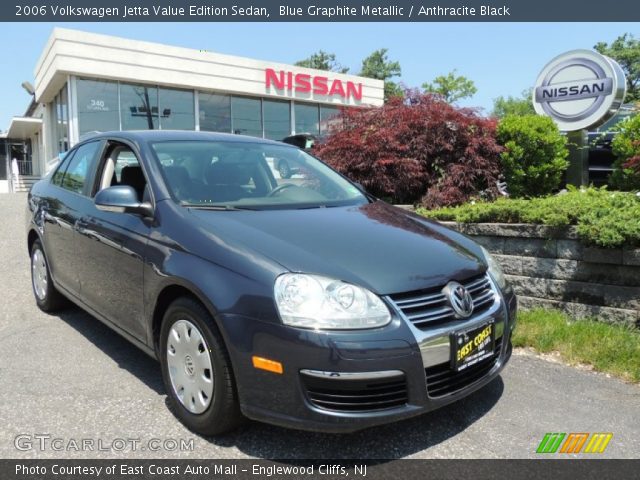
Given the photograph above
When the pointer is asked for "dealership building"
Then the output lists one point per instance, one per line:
(86, 82)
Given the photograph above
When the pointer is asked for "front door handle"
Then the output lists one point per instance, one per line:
(81, 225)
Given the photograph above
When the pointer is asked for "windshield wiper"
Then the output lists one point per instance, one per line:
(322, 205)
(216, 207)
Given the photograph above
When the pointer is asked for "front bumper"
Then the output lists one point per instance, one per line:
(391, 366)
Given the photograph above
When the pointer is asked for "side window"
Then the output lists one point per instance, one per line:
(59, 173)
(80, 167)
(121, 167)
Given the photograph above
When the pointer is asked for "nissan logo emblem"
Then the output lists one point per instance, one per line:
(459, 298)
(579, 89)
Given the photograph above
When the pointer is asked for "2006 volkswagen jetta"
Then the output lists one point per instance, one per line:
(302, 302)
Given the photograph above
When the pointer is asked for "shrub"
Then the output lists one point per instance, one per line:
(415, 148)
(626, 147)
(603, 218)
(534, 156)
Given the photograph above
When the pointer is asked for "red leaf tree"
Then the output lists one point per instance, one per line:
(416, 148)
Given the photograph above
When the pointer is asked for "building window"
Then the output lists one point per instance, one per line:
(328, 118)
(277, 119)
(139, 107)
(61, 120)
(307, 118)
(97, 106)
(214, 112)
(177, 111)
(246, 116)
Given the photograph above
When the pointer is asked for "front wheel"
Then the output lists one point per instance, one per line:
(196, 370)
(47, 296)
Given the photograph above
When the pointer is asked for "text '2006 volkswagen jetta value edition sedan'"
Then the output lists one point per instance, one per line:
(302, 302)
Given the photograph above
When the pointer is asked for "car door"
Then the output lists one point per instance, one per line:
(112, 246)
(62, 208)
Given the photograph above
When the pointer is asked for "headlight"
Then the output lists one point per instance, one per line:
(312, 301)
(495, 269)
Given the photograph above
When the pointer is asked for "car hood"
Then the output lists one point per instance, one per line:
(376, 245)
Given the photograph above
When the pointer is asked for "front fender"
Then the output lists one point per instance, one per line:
(221, 290)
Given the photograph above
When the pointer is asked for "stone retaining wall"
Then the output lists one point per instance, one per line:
(548, 267)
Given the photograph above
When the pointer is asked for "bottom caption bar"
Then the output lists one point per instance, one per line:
(122, 469)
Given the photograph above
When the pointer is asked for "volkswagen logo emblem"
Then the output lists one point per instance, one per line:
(459, 298)
(189, 365)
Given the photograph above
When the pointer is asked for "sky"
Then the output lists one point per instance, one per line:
(501, 58)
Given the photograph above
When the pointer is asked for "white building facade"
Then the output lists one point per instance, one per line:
(86, 82)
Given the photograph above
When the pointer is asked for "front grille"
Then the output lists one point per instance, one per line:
(443, 380)
(356, 395)
(426, 308)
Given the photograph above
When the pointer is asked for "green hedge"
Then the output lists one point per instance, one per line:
(534, 156)
(603, 218)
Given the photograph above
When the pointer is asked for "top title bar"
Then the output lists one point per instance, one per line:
(320, 11)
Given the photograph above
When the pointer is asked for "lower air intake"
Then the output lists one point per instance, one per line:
(357, 395)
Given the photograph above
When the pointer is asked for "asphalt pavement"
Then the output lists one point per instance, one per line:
(71, 387)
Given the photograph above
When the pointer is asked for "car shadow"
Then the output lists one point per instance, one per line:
(124, 353)
(384, 443)
(387, 442)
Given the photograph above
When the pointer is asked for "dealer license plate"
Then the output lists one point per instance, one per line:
(472, 346)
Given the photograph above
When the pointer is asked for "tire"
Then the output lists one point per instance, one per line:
(190, 343)
(284, 169)
(48, 298)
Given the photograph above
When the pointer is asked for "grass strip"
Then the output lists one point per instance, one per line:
(608, 348)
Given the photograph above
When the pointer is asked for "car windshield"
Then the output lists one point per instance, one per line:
(248, 175)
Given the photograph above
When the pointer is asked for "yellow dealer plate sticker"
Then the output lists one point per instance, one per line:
(472, 346)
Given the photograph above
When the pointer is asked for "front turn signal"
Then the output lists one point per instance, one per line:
(268, 365)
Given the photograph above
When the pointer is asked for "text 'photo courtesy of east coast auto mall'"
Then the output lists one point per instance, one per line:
(331, 240)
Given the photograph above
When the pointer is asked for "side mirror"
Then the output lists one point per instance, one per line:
(122, 199)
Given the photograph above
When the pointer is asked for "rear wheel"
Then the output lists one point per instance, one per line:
(47, 296)
(196, 369)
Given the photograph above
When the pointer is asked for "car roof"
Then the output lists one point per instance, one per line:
(180, 135)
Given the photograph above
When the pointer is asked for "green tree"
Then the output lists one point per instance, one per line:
(522, 105)
(451, 87)
(626, 148)
(378, 66)
(626, 51)
(534, 155)
(322, 60)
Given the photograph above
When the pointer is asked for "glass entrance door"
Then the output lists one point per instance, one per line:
(20, 151)
(3, 159)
